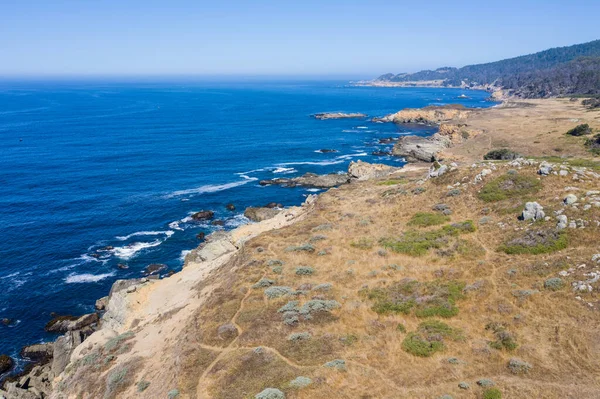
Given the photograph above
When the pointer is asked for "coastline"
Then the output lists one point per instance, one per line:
(153, 306)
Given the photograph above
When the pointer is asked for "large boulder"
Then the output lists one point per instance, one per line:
(38, 352)
(6, 363)
(203, 215)
(414, 148)
(61, 324)
(533, 211)
(364, 171)
(258, 214)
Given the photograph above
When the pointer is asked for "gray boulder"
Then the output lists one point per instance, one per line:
(415, 148)
(562, 222)
(570, 199)
(533, 211)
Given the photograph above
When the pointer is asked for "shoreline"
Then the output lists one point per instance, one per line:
(142, 305)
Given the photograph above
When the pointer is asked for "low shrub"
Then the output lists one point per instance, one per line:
(536, 242)
(277, 291)
(300, 382)
(426, 219)
(338, 364)
(400, 327)
(114, 343)
(263, 283)
(485, 383)
(436, 298)
(301, 336)
(429, 338)
(518, 366)
(593, 144)
(504, 339)
(300, 248)
(501, 154)
(142, 385)
(580, 130)
(304, 271)
(492, 393)
(362, 243)
(173, 393)
(270, 393)
(455, 192)
(509, 186)
(554, 284)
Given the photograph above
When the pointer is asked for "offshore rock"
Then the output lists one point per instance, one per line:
(309, 180)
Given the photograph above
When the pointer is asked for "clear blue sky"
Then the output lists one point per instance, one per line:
(283, 37)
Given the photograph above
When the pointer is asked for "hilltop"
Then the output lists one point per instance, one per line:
(561, 71)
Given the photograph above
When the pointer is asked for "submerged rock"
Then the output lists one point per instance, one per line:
(230, 207)
(203, 215)
(154, 268)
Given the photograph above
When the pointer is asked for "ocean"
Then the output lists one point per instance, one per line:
(97, 174)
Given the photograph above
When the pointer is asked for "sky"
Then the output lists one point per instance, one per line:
(361, 39)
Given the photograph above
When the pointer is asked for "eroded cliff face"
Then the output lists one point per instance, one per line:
(433, 115)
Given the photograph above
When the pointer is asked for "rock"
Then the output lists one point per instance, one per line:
(101, 303)
(563, 172)
(338, 115)
(259, 214)
(6, 321)
(273, 205)
(203, 215)
(380, 153)
(431, 115)
(6, 363)
(570, 199)
(437, 170)
(545, 169)
(309, 180)
(201, 235)
(63, 324)
(154, 268)
(38, 352)
(562, 222)
(122, 266)
(326, 151)
(415, 148)
(14, 392)
(364, 171)
(216, 245)
(230, 207)
(533, 211)
(388, 140)
(217, 223)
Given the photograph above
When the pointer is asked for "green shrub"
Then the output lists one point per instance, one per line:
(113, 343)
(173, 393)
(418, 243)
(501, 154)
(418, 190)
(339, 364)
(301, 336)
(593, 144)
(536, 242)
(554, 284)
(277, 291)
(580, 130)
(518, 366)
(426, 219)
(436, 298)
(300, 248)
(509, 186)
(400, 327)
(142, 385)
(300, 382)
(428, 339)
(392, 182)
(485, 383)
(504, 339)
(304, 271)
(263, 283)
(492, 393)
(270, 393)
(362, 243)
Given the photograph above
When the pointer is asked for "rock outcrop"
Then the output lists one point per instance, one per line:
(432, 115)
(414, 148)
(63, 324)
(338, 115)
(310, 180)
(364, 171)
(258, 214)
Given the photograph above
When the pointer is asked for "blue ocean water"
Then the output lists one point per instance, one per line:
(86, 165)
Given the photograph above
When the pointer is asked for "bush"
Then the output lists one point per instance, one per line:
(318, 237)
(142, 385)
(501, 154)
(580, 130)
(304, 271)
(270, 393)
(400, 327)
(113, 343)
(428, 339)
(323, 287)
(554, 284)
(300, 382)
(418, 190)
(509, 186)
(362, 243)
(437, 298)
(426, 219)
(277, 291)
(301, 336)
(336, 364)
(263, 283)
(593, 144)
(485, 383)
(173, 393)
(301, 248)
(536, 242)
(518, 366)
(504, 339)
(418, 243)
(455, 192)
(492, 393)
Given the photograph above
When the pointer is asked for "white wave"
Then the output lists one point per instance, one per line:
(168, 233)
(213, 188)
(348, 156)
(284, 170)
(236, 221)
(15, 274)
(361, 127)
(351, 131)
(128, 251)
(184, 254)
(313, 190)
(175, 225)
(321, 163)
(87, 278)
(250, 171)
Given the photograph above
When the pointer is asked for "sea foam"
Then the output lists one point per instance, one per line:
(87, 278)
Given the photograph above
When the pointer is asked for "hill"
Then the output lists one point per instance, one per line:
(561, 71)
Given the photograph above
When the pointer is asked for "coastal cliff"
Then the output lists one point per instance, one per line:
(446, 279)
